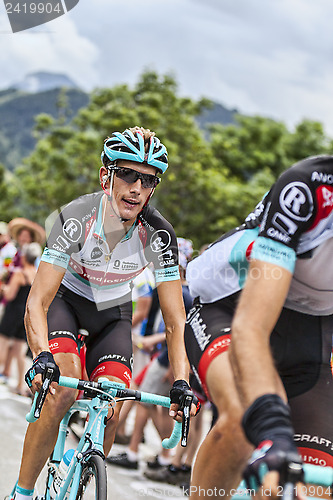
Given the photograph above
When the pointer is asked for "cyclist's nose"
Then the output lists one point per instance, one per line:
(136, 186)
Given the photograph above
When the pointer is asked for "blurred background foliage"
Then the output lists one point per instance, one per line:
(216, 174)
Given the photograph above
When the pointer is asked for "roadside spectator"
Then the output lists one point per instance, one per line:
(24, 231)
(16, 293)
(157, 379)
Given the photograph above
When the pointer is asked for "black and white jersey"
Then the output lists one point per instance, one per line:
(78, 244)
(292, 227)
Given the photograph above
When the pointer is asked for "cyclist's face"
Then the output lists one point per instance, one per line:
(129, 198)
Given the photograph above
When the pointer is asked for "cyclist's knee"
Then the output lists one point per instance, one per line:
(61, 401)
(228, 429)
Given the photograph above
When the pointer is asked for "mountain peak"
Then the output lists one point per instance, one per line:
(42, 81)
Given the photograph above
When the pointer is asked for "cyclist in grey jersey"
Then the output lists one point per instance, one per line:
(279, 328)
(96, 247)
(77, 243)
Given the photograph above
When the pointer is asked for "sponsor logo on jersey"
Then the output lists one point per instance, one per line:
(62, 242)
(96, 253)
(199, 330)
(57, 247)
(322, 177)
(160, 240)
(129, 266)
(276, 235)
(324, 196)
(284, 224)
(91, 263)
(166, 259)
(89, 216)
(169, 262)
(165, 255)
(89, 224)
(327, 194)
(296, 201)
(72, 229)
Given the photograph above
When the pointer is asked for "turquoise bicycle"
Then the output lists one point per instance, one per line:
(81, 473)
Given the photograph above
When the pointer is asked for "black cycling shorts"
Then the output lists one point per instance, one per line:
(302, 349)
(109, 343)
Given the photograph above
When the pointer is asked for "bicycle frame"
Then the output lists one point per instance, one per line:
(92, 439)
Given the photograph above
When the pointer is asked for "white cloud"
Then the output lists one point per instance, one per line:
(267, 57)
(54, 47)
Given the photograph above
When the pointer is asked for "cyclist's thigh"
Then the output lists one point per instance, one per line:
(297, 349)
(62, 327)
(207, 335)
(110, 353)
(312, 410)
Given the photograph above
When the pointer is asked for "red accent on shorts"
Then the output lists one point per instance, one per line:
(324, 195)
(113, 369)
(217, 347)
(63, 345)
(316, 457)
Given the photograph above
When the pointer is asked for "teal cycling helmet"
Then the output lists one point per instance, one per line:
(132, 145)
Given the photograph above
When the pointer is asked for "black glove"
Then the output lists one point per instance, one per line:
(275, 455)
(178, 393)
(39, 366)
(267, 425)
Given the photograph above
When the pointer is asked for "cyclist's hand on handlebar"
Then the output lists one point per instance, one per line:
(180, 395)
(36, 374)
(274, 464)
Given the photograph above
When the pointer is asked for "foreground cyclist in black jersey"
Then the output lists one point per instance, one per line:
(280, 331)
(97, 245)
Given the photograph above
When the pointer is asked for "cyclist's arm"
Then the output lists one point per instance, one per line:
(173, 311)
(43, 290)
(258, 310)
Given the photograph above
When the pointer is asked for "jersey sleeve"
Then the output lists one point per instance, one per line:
(161, 248)
(66, 234)
(289, 212)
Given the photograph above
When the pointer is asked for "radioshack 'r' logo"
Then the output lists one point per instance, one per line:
(72, 229)
(25, 14)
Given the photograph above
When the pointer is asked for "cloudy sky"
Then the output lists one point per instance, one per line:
(267, 57)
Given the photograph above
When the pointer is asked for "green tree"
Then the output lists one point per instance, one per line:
(65, 161)
(213, 182)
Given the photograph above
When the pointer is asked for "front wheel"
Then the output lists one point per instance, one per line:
(93, 481)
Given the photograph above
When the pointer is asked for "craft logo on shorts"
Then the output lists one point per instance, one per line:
(26, 14)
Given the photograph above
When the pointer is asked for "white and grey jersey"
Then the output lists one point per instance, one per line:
(78, 244)
(293, 227)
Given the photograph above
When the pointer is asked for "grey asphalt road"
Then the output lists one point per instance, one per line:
(123, 484)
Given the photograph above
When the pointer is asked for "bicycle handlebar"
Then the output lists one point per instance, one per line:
(104, 389)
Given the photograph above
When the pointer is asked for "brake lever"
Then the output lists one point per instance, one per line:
(186, 407)
(293, 474)
(44, 390)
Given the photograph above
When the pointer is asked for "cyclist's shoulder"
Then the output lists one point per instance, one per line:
(151, 217)
(84, 202)
(311, 171)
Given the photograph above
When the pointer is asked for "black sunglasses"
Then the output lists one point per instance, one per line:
(130, 176)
